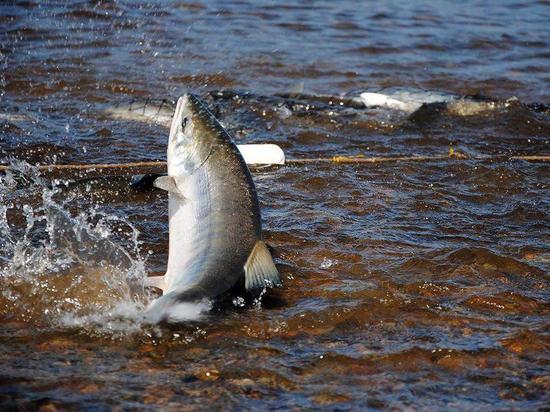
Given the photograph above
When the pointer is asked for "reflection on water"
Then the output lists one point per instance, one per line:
(406, 285)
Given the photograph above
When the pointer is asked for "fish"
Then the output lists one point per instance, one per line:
(154, 111)
(403, 99)
(215, 231)
(412, 101)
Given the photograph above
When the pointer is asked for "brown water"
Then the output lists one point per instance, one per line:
(407, 285)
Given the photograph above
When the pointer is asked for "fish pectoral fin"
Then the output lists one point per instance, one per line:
(169, 184)
(155, 281)
(259, 269)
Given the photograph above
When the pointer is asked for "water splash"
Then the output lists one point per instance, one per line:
(61, 267)
(178, 312)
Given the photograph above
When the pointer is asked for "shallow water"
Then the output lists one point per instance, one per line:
(418, 285)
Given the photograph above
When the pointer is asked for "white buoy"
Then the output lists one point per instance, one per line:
(262, 154)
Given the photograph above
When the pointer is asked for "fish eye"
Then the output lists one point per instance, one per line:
(184, 122)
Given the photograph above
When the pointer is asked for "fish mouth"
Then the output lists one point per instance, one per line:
(175, 126)
(186, 109)
(181, 137)
(190, 140)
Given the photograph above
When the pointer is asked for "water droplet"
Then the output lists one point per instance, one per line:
(327, 263)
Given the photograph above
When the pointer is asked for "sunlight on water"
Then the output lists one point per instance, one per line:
(408, 284)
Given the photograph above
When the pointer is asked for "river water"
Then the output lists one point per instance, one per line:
(407, 284)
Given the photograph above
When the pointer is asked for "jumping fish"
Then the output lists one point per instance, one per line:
(215, 231)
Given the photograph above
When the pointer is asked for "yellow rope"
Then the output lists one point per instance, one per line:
(161, 166)
(382, 159)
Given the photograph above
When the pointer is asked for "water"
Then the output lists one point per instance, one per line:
(416, 285)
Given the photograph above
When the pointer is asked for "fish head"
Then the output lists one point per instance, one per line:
(191, 136)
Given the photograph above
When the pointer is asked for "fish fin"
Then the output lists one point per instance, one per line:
(156, 281)
(145, 181)
(169, 184)
(259, 269)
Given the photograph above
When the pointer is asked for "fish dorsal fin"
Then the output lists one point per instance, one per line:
(259, 269)
(169, 184)
(156, 281)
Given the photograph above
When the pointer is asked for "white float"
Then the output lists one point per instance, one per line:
(262, 154)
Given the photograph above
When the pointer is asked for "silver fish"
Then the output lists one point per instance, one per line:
(215, 231)
(410, 101)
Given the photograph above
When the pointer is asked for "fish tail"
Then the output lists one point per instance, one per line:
(159, 309)
(171, 308)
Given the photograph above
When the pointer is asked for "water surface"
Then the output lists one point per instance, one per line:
(418, 285)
